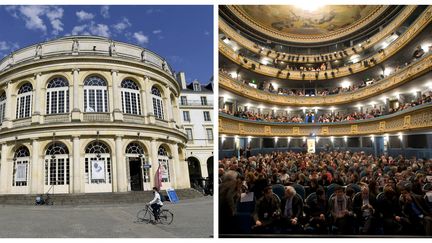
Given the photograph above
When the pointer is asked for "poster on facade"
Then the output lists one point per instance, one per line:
(21, 172)
(164, 170)
(98, 169)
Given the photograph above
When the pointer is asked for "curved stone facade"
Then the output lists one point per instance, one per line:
(87, 114)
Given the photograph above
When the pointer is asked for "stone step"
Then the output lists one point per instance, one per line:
(95, 198)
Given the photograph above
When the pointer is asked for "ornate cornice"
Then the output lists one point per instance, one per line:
(408, 73)
(234, 35)
(416, 118)
(415, 29)
(239, 13)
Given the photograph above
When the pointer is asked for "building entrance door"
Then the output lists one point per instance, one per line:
(136, 177)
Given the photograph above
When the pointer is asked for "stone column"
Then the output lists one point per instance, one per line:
(76, 111)
(7, 123)
(77, 173)
(36, 169)
(144, 103)
(117, 113)
(175, 171)
(5, 170)
(153, 161)
(121, 165)
(149, 103)
(36, 116)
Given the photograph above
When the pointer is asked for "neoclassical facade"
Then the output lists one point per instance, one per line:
(86, 114)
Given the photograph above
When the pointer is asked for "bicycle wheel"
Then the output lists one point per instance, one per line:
(144, 215)
(166, 217)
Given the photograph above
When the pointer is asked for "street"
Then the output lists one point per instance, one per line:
(192, 218)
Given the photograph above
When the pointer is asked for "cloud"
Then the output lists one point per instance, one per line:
(156, 32)
(122, 25)
(175, 59)
(8, 46)
(206, 33)
(33, 17)
(83, 15)
(141, 38)
(92, 29)
(105, 12)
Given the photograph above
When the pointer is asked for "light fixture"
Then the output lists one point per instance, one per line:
(276, 139)
(249, 139)
(345, 84)
(332, 139)
(400, 135)
(372, 137)
(53, 144)
(222, 138)
(345, 138)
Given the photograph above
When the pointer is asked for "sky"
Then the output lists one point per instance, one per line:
(181, 34)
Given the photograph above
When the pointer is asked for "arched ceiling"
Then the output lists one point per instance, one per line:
(307, 23)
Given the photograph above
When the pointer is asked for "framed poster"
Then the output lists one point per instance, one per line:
(21, 172)
(98, 170)
(311, 145)
(164, 173)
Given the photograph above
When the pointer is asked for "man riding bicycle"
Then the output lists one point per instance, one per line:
(156, 203)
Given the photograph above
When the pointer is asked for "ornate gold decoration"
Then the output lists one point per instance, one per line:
(234, 35)
(245, 18)
(241, 128)
(382, 126)
(417, 118)
(420, 23)
(404, 75)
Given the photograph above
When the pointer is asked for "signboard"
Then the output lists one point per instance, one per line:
(98, 169)
(172, 195)
(21, 172)
(311, 145)
(164, 174)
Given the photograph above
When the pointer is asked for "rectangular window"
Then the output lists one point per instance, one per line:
(128, 102)
(203, 100)
(209, 134)
(183, 100)
(53, 102)
(186, 116)
(99, 100)
(207, 116)
(189, 134)
(61, 101)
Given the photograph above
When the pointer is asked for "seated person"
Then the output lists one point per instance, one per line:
(364, 205)
(318, 210)
(340, 207)
(267, 211)
(389, 208)
(292, 210)
(415, 208)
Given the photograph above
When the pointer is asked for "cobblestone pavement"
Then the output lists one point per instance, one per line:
(192, 218)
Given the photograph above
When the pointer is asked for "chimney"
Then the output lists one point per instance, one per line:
(181, 78)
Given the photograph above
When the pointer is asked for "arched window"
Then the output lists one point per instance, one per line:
(97, 163)
(21, 162)
(24, 101)
(163, 164)
(57, 164)
(157, 103)
(2, 106)
(130, 96)
(134, 148)
(57, 96)
(95, 94)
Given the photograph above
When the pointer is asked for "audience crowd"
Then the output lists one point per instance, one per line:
(330, 192)
(311, 117)
(268, 86)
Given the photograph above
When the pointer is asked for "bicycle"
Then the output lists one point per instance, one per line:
(145, 215)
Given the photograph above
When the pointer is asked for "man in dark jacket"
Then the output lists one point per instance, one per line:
(389, 208)
(364, 207)
(291, 211)
(415, 208)
(267, 211)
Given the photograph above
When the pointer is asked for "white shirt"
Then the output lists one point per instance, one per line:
(156, 199)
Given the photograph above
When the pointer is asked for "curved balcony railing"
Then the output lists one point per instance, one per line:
(419, 117)
(415, 29)
(84, 45)
(251, 46)
(404, 75)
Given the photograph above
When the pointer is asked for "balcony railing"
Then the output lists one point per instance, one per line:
(97, 117)
(196, 103)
